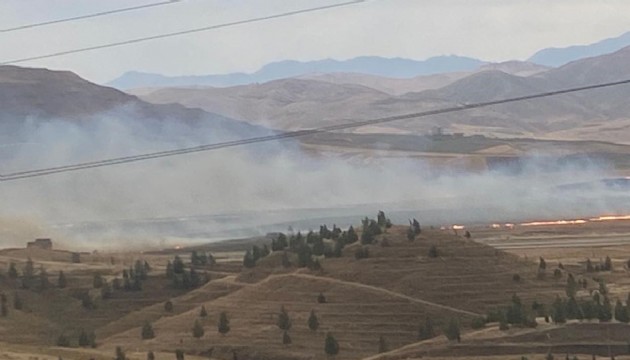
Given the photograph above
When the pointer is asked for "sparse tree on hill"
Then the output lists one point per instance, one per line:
(13, 273)
(97, 281)
(62, 341)
(589, 266)
(150, 355)
(321, 299)
(352, 236)
(17, 301)
(168, 306)
(179, 354)
(382, 345)
(433, 251)
(452, 330)
(120, 354)
(557, 274)
(607, 264)
(572, 286)
(197, 330)
(426, 330)
(331, 346)
(284, 321)
(304, 255)
(621, 312)
(224, 324)
(549, 356)
(178, 265)
(572, 309)
(4, 308)
(203, 312)
(416, 227)
(362, 252)
(28, 274)
(411, 235)
(87, 339)
(248, 259)
(43, 279)
(61, 280)
(285, 259)
(286, 339)
(313, 322)
(170, 272)
(147, 331)
(542, 264)
(558, 311)
(605, 311)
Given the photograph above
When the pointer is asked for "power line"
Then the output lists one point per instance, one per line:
(184, 32)
(292, 134)
(87, 16)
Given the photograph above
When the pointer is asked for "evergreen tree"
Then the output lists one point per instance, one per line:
(106, 291)
(416, 227)
(351, 235)
(197, 330)
(256, 253)
(321, 299)
(572, 309)
(150, 355)
(433, 252)
(603, 290)
(589, 266)
(224, 323)
(170, 272)
(43, 278)
(284, 321)
(605, 311)
(84, 339)
(542, 265)
(178, 265)
(426, 330)
(281, 242)
(203, 312)
(607, 264)
(168, 306)
(331, 346)
(248, 260)
(558, 311)
(621, 312)
(318, 247)
(28, 274)
(179, 354)
(97, 281)
(4, 308)
(313, 322)
(304, 256)
(382, 345)
(285, 260)
(147, 331)
(286, 339)
(61, 280)
(120, 354)
(411, 235)
(13, 273)
(571, 289)
(17, 302)
(62, 341)
(452, 330)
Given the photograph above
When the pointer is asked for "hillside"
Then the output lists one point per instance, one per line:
(30, 96)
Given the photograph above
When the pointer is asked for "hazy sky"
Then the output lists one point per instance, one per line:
(494, 30)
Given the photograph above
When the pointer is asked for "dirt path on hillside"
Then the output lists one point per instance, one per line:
(377, 289)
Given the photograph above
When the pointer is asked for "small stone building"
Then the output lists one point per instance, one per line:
(45, 244)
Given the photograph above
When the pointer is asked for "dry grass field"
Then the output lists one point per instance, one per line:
(389, 294)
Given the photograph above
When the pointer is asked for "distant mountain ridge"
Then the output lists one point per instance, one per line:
(370, 65)
(555, 57)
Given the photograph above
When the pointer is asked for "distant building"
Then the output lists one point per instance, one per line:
(45, 244)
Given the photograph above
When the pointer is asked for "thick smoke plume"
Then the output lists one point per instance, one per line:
(248, 190)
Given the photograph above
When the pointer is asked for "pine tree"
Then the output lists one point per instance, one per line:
(17, 302)
(84, 340)
(571, 289)
(284, 321)
(169, 270)
(150, 355)
(452, 330)
(542, 265)
(558, 311)
(621, 312)
(433, 252)
(61, 280)
(248, 259)
(589, 266)
(608, 264)
(605, 311)
(13, 273)
(106, 291)
(197, 330)
(120, 354)
(179, 354)
(168, 306)
(286, 339)
(352, 235)
(147, 331)
(43, 278)
(426, 330)
(97, 282)
(28, 274)
(203, 312)
(331, 346)
(321, 299)
(285, 260)
(313, 322)
(62, 341)
(178, 265)
(4, 308)
(224, 324)
(382, 345)
(411, 235)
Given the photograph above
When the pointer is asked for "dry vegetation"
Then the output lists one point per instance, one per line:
(372, 304)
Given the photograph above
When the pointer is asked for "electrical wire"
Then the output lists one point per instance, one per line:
(293, 134)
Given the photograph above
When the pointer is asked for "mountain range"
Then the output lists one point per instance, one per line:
(306, 102)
